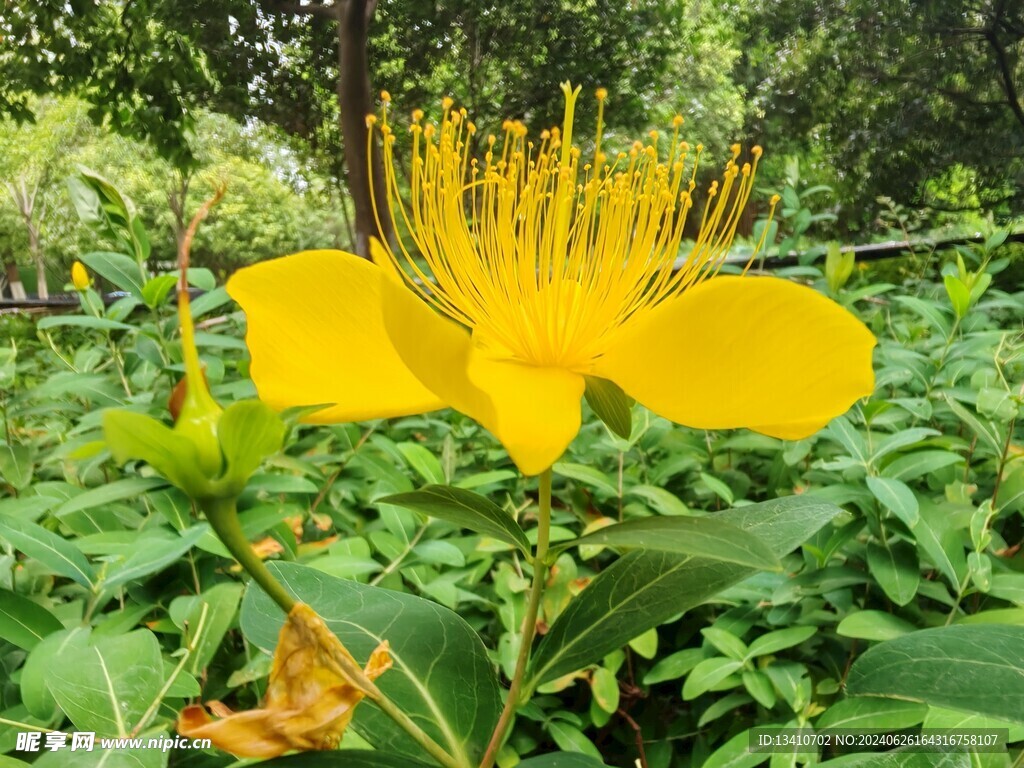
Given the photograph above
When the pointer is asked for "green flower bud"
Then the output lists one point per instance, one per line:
(210, 453)
(197, 420)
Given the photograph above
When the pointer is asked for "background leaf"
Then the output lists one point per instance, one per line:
(708, 537)
(56, 553)
(106, 686)
(24, 622)
(977, 669)
(464, 508)
(643, 589)
(442, 677)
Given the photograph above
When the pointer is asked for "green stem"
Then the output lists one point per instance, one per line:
(223, 519)
(432, 748)
(25, 726)
(529, 623)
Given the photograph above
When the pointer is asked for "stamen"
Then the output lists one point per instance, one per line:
(551, 261)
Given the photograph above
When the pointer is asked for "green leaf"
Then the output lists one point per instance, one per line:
(152, 552)
(894, 566)
(870, 712)
(465, 509)
(959, 295)
(484, 478)
(941, 543)
(35, 694)
(985, 431)
(200, 277)
(605, 688)
(122, 271)
(895, 496)
(706, 536)
(100, 758)
(53, 551)
(107, 686)
(220, 604)
(874, 625)
(901, 759)
(973, 668)
(16, 465)
(442, 676)
(726, 642)
(612, 406)
(249, 431)
(155, 291)
(902, 439)
(210, 301)
(645, 588)
(126, 488)
(838, 266)
(844, 433)
(759, 685)
(587, 475)
(135, 436)
(735, 753)
(422, 460)
(138, 234)
(773, 642)
(708, 674)
(1009, 587)
(730, 702)
(938, 717)
(561, 760)
(23, 621)
(674, 666)
(349, 758)
(717, 487)
(83, 321)
(661, 501)
(572, 739)
(929, 311)
(646, 643)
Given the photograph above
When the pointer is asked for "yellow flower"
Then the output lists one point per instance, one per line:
(79, 276)
(309, 701)
(534, 269)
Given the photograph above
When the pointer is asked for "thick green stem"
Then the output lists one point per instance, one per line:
(223, 519)
(529, 622)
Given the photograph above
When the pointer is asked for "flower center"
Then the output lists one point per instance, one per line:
(544, 254)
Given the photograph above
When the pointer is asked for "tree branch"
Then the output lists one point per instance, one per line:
(1009, 87)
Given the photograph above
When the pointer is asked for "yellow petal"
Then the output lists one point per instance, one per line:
(310, 699)
(756, 352)
(537, 410)
(247, 734)
(533, 411)
(316, 336)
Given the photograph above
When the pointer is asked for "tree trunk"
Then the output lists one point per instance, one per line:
(42, 290)
(356, 102)
(177, 201)
(25, 201)
(14, 280)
